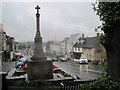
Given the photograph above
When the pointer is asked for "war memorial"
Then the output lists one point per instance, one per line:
(39, 68)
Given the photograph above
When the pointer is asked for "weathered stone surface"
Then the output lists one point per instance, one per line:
(38, 51)
(40, 70)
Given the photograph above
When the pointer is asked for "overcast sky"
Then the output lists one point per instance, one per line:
(58, 19)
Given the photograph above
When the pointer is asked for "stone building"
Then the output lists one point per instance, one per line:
(16, 46)
(71, 41)
(2, 43)
(63, 46)
(48, 50)
(1, 51)
(10, 47)
(91, 47)
(7, 46)
(1, 36)
(52, 48)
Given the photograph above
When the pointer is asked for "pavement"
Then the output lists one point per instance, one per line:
(11, 72)
(7, 66)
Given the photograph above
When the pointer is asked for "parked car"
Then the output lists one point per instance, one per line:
(22, 61)
(83, 59)
(19, 64)
(25, 66)
(63, 59)
(54, 59)
(49, 58)
(55, 67)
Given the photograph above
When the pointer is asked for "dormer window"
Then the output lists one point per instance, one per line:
(82, 41)
(78, 41)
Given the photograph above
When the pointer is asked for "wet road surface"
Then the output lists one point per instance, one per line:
(82, 71)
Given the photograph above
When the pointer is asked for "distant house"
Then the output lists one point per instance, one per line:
(71, 41)
(16, 46)
(91, 47)
(1, 51)
(48, 50)
(7, 46)
(63, 46)
(3, 44)
(52, 48)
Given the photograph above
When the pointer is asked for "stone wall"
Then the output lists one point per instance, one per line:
(96, 54)
(41, 69)
(100, 53)
(89, 53)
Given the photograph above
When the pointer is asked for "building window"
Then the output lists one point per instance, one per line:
(75, 49)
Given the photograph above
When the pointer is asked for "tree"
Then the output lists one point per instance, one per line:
(109, 14)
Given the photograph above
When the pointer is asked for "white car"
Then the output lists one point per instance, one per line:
(63, 59)
(83, 60)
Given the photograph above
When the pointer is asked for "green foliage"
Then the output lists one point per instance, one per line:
(103, 82)
(66, 74)
(109, 14)
(100, 65)
(26, 45)
(37, 83)
(102, 38)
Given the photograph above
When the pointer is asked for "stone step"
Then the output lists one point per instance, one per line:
(11, 73)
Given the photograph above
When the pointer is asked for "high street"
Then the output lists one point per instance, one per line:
(82, 71)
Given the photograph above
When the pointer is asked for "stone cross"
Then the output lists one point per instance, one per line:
(39, 68)
(38, 51)
(37, 8)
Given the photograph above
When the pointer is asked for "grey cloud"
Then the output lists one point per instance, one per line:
(57, 20)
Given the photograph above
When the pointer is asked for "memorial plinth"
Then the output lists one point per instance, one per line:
(38, 67)
(40, 70)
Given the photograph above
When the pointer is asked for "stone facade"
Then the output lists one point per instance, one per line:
(91, 47)
(63, 46)
(55, 48)
(0, 37)
(7, 45)
(1, 43)
(71, 41)
(16, 46)
(52, 49)
(89, 53)
(100, 53)
(48, 49)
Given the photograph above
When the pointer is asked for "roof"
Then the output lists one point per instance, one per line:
(65, 40)
(73, 38)
(89, 42)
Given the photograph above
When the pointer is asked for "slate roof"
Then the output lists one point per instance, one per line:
(73, 38)
(65, 40)
(90, 42)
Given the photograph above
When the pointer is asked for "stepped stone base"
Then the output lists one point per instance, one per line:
(40, 69)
